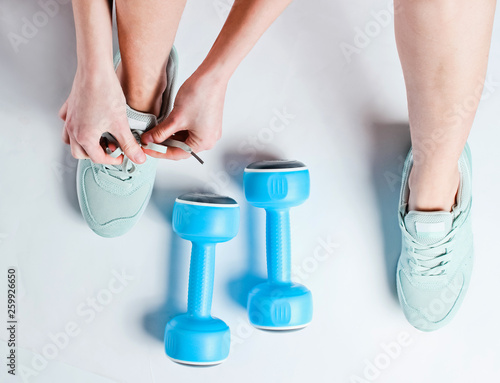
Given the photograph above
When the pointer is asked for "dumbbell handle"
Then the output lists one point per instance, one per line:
(278, 245)
(201, 279)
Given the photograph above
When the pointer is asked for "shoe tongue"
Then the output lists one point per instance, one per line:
(139, 120)
(428, 227)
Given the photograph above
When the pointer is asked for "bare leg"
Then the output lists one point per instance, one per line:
(443, 46)
(146, 33)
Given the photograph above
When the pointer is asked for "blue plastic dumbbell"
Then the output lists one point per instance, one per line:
(205, 220)
(276, 186)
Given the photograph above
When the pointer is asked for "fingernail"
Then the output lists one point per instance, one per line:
(146, 138)
(139, 158)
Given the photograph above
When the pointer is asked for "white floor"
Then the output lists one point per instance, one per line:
(349, 126)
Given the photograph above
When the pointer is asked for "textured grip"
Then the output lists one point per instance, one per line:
(278, 245)
(201, 279)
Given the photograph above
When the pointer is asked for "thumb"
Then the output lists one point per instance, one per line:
(129, 145)
(65, 136)
(163, 131)
(63, 111)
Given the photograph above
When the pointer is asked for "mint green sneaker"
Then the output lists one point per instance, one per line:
(113, 197)
(435, 265)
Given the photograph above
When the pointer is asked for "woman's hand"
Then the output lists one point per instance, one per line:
(196, 117)
(200, 101)
(96, 105)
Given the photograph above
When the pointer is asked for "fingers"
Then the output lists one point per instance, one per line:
(77, 150)
(196, 144)
(171, 154)
(172, 125)
(63, 111)
(85, 146)
(99, 156)
(62, 115)
(94, 153)
(199, 144)
(82, 148)
(65, 136)
(164, 130)
(129, 145)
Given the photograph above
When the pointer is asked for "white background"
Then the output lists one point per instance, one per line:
(349, 127)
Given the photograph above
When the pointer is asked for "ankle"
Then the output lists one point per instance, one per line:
(143, 93)
(432, 190)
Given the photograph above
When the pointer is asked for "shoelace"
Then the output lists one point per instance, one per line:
(126, 170)
(432, 260)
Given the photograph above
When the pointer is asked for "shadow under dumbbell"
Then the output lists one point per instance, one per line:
(197, 365)
(269, 331)
(390, 143)
(239, 287)
(154, 322)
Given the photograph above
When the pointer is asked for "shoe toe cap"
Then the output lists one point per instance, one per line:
(113, 229)
(429, 307)
(108, 212)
